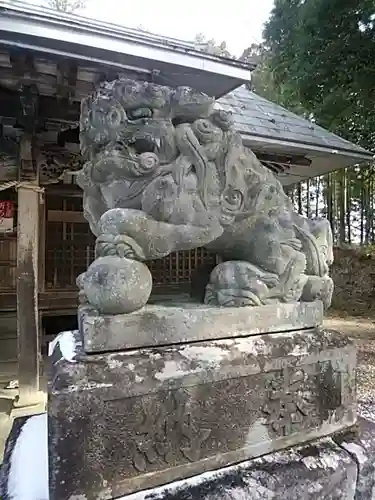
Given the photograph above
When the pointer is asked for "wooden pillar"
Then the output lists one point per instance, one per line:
(27, 294)
(42, 242)
(29, 200)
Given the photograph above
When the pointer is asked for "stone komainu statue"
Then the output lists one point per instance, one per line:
(165, 171)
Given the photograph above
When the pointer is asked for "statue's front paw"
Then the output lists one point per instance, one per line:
(318, 288)
(238, 284)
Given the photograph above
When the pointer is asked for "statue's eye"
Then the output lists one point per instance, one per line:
(233, 198)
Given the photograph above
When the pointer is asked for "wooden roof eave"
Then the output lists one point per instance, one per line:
(68, 36)
(307, 148)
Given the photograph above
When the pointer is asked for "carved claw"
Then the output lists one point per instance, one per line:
(317, 288)
(231, 297)
(120, 245)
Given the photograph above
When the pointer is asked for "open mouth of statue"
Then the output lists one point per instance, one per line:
(143, 144)
(139, 113)
(142, 141)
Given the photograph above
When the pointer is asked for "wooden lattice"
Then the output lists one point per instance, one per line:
(178, 268)
(70, 250)
(69, 245)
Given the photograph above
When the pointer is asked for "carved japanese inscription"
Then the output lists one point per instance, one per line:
(167, 432)
(291, 401)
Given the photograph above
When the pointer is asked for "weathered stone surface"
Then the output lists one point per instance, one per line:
(361, 445)
(165, 171)
(173, 323)
(127, 421)
(115, 285)
(321, 471)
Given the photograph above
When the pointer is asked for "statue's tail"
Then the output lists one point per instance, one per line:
(315, 263)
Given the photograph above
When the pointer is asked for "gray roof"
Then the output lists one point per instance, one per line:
(255, 117)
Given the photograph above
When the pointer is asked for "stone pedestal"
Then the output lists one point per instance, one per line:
(120, 422)
(176, 322)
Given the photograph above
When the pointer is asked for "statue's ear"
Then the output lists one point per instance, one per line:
(235, 149)
(235, 177)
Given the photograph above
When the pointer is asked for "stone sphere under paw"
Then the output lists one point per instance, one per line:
(115, 285)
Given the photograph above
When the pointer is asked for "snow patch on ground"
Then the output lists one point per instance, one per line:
(299, 350)
(356, 450)
(171, 369)
(327, 460)
(204, 354)
(67, 345)
(114, 363)
(251, 345)
(28, 474)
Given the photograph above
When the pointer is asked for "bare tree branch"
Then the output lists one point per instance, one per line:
(66, 5)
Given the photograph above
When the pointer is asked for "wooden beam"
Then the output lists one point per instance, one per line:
(49, 108)
(284, 160)
(64, 190)
(66, 80)
(28, 165)
(66, 216)
(29, 112)
(51, 300)
(23, 66)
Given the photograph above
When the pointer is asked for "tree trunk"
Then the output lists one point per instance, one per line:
(371, 205)
(342, 205)
(329, 197)
(368, 214)
(348, 205)
(362, 210)
(317, 197)
(299, 198)
(308, 211)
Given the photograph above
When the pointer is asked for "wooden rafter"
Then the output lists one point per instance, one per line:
(66, 80)
(23, 66)
(49, 107)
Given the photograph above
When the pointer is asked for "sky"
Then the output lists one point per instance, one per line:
(237, 22)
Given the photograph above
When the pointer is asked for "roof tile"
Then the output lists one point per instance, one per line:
(255, 116)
